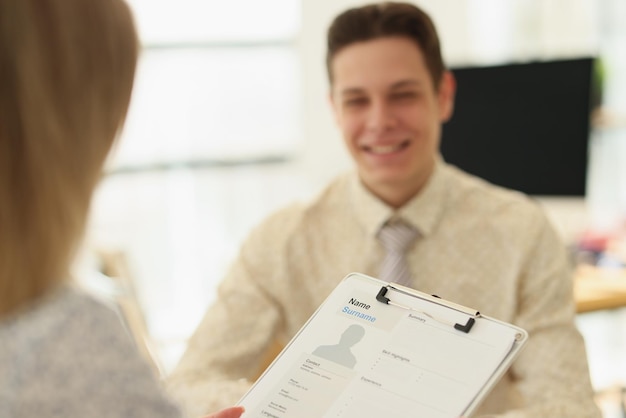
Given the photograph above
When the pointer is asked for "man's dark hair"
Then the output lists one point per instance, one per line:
(382, 20)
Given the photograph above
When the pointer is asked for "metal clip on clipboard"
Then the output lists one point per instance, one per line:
(381, 297)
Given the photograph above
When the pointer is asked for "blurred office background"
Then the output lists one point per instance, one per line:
(229, 120)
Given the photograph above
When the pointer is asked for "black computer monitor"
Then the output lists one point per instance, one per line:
(523, 126)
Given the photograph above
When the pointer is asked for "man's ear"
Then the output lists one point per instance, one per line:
(447, 90)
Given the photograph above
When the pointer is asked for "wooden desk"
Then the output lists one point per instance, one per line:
(596, 289)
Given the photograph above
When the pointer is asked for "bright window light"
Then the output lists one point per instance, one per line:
(179, 21)
(217, 81)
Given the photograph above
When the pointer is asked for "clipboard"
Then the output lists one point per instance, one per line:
(375, 349)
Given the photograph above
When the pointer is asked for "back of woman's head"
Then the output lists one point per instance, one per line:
(66, 74)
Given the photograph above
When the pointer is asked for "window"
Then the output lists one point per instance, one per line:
(217, 85)
(216, 82)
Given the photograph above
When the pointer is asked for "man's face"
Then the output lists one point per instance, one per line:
(390, 114)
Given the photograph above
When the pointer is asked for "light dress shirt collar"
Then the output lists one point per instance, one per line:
(422, 211)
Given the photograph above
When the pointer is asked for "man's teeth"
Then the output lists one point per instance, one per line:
(385, 149)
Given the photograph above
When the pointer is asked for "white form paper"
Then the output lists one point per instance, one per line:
(358, 357)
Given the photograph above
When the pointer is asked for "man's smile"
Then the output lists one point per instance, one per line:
(386, 148)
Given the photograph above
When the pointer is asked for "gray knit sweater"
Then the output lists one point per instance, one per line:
(70, 356)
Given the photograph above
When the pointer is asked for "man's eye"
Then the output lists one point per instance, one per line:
(355, 102)
(404, 95)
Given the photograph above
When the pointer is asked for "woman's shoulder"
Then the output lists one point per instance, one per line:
(79, 358)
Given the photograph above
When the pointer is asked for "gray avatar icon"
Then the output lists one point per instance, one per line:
(341, 352)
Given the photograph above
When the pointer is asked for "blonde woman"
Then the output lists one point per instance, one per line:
(66, 74)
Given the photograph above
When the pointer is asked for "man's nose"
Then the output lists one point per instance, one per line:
(381, 116)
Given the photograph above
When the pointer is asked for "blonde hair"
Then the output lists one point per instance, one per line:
(66, 75)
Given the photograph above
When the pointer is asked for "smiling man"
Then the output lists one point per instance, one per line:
(472, 242)
(390, 115)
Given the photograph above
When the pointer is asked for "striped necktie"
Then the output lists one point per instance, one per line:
(396, 237)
